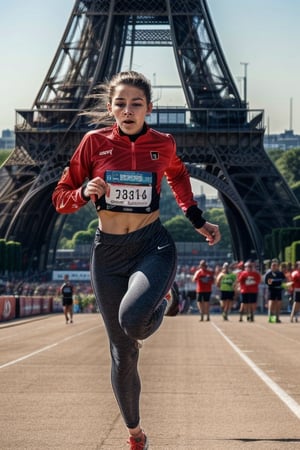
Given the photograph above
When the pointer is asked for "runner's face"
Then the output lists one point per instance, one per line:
(129, 107)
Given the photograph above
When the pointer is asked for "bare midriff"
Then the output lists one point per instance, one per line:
(124, 223)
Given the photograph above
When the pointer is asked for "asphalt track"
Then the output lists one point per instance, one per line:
(205, 385)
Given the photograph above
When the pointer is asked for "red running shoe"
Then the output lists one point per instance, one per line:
(141, 443)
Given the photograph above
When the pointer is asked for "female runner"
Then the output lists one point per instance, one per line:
(133, 262)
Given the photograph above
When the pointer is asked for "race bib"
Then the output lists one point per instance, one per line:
(128, 189)
(249, 281)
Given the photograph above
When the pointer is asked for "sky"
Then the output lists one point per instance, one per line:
(264, 34)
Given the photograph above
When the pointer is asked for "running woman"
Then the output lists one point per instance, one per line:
(133, 262)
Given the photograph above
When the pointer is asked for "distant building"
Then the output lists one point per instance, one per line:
(7, 139)
(205, 202)
(283, 141)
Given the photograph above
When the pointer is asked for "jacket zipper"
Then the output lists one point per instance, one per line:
(133, 156)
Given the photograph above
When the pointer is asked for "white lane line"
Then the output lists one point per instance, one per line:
(48, 347)
(284, 397)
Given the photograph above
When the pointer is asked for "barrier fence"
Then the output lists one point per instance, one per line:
(14, 307)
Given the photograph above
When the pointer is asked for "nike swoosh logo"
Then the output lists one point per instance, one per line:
(160, 247)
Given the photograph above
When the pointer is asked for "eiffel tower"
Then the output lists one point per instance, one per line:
(218, 137)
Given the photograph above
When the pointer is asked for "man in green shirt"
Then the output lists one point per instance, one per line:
(226, 282)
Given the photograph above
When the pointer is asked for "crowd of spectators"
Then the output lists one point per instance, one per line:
(184, 281)
(21, 288)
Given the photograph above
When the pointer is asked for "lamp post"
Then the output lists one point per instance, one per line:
(245, 64)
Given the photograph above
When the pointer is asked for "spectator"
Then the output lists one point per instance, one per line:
(295, 280)
(204, 279)
(274, 279)
(66, 291)
(226, 281)
(249, 280)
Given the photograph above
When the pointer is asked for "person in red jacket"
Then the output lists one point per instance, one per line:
(249, 280)
(295, 280)
(133, 262)
(204, 279)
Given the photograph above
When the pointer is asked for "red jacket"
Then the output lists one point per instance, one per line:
(295, 278)
(104, 150)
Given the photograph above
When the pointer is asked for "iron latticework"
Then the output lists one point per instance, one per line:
(219, 139)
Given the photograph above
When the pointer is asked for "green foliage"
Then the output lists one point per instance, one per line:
(182, 230)
(79, 237)
(87, 302)
(93, 225)
(289, 165)
(288, 253)
(83, 237)
(275, 153)
(278, 244)
(275, 245)
(295, 252)
(76, 222)
(65, 243)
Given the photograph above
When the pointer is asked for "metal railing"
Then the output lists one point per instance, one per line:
(176, 117)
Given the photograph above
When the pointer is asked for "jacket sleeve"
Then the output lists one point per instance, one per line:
(68, 195)
(179, 181)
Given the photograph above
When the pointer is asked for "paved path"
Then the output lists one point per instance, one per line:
(206, 385)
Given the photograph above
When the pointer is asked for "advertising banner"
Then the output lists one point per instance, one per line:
(74, 275)
(46, 305)
(36, 305)
(25, 306)
(7, 307)
(29, 306)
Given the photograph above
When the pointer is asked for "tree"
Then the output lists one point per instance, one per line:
(182, 230)
(93, 225)
(83, 237)
(76, 222)
(289, 165)
(275, 153)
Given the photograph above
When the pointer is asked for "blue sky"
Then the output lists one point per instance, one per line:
(265, 34)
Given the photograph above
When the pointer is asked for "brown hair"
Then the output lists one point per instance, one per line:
(104, 93)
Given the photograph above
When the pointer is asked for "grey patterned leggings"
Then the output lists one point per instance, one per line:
(131, 274)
